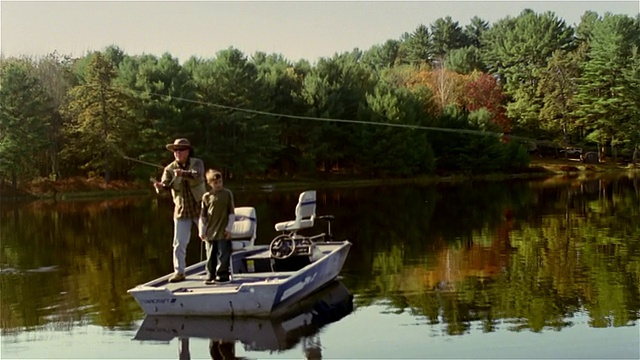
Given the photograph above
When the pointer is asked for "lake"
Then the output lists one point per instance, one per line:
(545, 268)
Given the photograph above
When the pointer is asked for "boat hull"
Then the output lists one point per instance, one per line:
(278, 332)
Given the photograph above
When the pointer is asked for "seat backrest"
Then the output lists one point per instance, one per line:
(306, 208)
(243, 232)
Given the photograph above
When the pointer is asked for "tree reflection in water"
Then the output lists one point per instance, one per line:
(525, 254)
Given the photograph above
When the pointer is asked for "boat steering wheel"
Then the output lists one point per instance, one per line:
(282, 247)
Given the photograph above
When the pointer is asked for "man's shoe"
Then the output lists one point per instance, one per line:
(177, 278)
(210, 282)
(222, 280)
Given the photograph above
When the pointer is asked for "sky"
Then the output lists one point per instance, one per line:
(295, 29)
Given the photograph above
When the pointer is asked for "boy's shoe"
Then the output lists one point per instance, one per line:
(210, 282)
(177, 278)
(222, 280)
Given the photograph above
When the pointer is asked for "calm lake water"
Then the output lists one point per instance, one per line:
(519, 269)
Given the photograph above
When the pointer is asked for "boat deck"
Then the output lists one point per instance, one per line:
(195, 282)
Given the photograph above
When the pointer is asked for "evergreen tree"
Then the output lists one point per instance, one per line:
(446, 35)
(557, 86)
(631, 127)
(394, 151)
(336, 89)
(380, 57)
(283, 81)
(24, 119)
(517, 50)
(605, 103)
(474, 30)
(240, 143)
(416, 48)
(464, 60)
(163, 89)
(101, 121)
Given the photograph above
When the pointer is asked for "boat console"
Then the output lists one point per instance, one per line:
(287, 252)
(293, 244)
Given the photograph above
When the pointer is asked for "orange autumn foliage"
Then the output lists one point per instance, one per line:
(471, 92)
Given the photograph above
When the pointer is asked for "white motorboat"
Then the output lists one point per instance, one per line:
(263, 277)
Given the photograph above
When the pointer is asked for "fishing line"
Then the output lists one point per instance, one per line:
(334, 120)
(361, 122)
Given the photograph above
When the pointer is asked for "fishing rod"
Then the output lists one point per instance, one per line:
(143, 162)
(152, 179)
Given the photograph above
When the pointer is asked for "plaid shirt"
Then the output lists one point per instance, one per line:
(186, 191)
(191, 208)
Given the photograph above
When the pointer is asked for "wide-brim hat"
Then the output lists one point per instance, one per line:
(179, 144)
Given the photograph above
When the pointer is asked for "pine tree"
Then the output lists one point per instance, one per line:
(101, 120)
(23, 120)
(606, 100)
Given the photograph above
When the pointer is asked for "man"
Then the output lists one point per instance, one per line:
(185, 178)
(216, 221)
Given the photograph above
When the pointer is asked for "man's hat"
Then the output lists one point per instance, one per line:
(179, 144)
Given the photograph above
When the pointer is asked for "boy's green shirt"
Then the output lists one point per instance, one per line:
(214, 217)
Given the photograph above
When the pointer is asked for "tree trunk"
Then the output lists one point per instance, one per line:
(53, 146)
(14, 181)
(564, 140)
(106, 139)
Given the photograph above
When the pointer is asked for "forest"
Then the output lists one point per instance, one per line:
(443, 98)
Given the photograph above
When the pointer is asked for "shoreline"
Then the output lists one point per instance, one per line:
(94, 188)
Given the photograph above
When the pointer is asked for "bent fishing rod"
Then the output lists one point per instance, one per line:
(191, 172)
(143, 162)
(152, 179)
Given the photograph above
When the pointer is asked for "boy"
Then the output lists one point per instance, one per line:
(216, 220)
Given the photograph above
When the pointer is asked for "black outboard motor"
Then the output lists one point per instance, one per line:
(328, 219)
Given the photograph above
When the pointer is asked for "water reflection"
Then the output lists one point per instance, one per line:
(299, 323)
(529, 254)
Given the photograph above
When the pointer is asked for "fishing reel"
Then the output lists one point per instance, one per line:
(190, 172)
